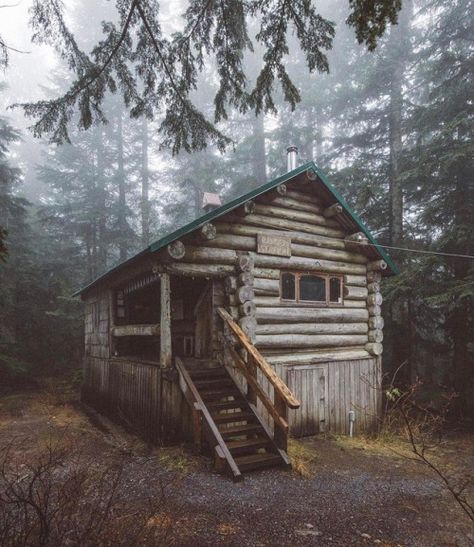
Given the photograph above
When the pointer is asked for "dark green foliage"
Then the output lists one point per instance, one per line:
(370, 19)
(155, 74)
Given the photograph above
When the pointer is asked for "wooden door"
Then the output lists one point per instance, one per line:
(309, 385)
(203, 323)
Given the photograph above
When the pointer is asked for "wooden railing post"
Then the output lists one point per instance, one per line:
(252, 368)
(281, 435)
(283, 397)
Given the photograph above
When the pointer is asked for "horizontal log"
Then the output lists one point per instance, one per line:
(333, 210)
(312, 328)
(376, 322)
(199, 270)
(374, 286)
(375, 299)
(281, 189)
(244, 294)
(356, 280)
(356, 242)
(295, 235)
(376, 265)
(275, 301)
(373, 276)
(317, 357)
(208, 231)
(355, 293)
(267, 273)
(266, 286)
(303, 197)
(376, 335)
(294, 215)
(246, 278)
(243, 263)
(176, 250)
(210, 255)
(354, 303)
(285, 224)
(290, 203)
(249, 243)
(374, 310)
(374, 348)
(247, 208)
(265, 300)
(299, 263)
(310, 315)
(136, 330)
(248, 309)
(309, 340)
(249, 326)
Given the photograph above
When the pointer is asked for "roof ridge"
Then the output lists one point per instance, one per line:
(236, 202)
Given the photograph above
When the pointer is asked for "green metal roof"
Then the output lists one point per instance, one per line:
(211, 215)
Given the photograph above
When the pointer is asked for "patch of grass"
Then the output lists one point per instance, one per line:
(302, 457)
(176, 458)
(381, 445)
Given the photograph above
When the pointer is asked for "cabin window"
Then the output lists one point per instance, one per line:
(311, 288)
(335, 290)
(288, 286)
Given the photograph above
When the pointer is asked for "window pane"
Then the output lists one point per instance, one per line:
(312, 287)
(335, 290)
(288, 286)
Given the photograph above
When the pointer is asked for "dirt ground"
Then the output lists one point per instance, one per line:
(343, 492)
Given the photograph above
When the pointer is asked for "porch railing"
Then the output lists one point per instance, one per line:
(283, 398)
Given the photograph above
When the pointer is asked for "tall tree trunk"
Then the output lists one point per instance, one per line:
(145, 199)
(101, 203)
(122, 204)
(399, 49)
(258, 158)
(461, 319)
(398, 57)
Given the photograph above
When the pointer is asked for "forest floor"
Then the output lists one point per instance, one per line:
(342, 492)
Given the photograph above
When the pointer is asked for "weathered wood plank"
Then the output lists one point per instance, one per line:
(136, 330)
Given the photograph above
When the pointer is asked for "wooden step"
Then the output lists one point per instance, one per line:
(242, 446)
(257, 461)
(198, 373)
(229, 417)
(212, 383)
(239, 402)
(215, 393)
(239, 430)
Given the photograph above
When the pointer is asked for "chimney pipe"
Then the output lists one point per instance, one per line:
(292, 152)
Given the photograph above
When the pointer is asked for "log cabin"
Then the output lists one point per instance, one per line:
(260, 319)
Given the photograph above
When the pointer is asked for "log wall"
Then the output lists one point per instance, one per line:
(330, 356)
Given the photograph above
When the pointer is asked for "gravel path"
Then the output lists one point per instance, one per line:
(355, 497)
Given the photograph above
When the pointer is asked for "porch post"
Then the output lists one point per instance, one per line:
(165, 322)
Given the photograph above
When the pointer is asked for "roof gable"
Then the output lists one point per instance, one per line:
(237, 202)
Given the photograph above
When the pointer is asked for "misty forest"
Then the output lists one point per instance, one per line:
(117, 117)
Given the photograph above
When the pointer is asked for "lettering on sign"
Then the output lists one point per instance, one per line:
(273, 245)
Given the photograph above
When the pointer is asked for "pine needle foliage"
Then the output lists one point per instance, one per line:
(157, 74)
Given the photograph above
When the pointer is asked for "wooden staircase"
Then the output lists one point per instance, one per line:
(245, 436)
(226, 415)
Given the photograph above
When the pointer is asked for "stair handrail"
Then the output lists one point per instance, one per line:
(283, 396)
(197, 404)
